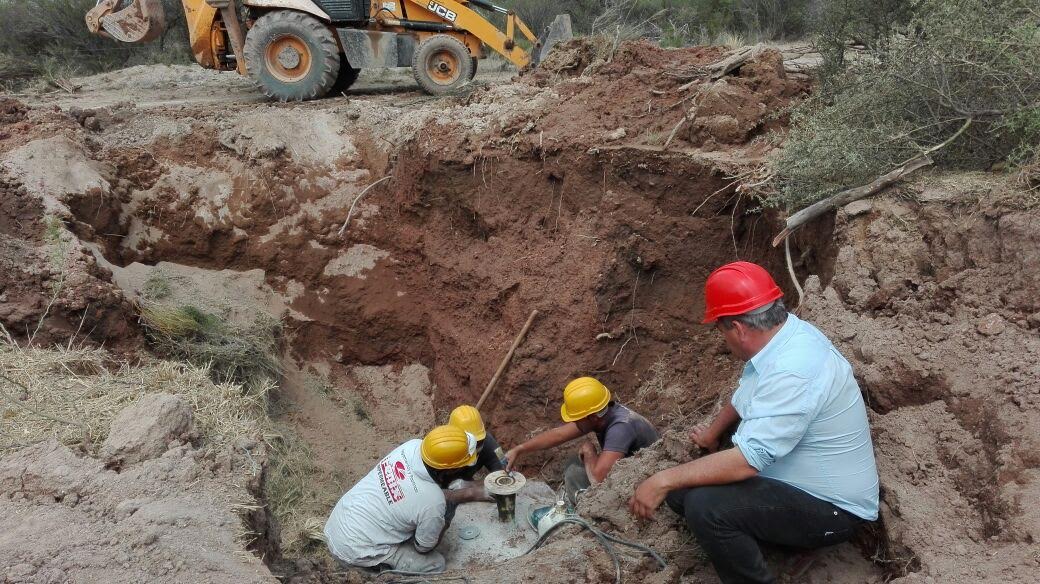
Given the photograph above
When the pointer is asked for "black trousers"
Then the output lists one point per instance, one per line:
(730, 520)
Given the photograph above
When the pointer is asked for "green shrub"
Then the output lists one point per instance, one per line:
(870, 23)
(673, 22)
(966, 59)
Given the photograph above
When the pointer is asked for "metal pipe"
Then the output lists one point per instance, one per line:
(489, 6)
(418, 25)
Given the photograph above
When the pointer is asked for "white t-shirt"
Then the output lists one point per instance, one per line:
(395, 501)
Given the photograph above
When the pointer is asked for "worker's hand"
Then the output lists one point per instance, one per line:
(512, 457)
(703, 438)
(587, 449)
(648, 497)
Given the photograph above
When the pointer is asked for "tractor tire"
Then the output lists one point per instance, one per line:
(346, 78)
(442, 64)
(473, 73)
(292, 56)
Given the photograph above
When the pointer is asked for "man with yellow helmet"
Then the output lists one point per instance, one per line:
(489, 454)
(394, 517)
(589, 407)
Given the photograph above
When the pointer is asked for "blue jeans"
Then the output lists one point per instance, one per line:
(730, 520)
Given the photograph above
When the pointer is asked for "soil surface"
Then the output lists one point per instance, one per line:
(599, 190)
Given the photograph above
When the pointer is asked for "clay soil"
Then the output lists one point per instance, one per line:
(552, 191)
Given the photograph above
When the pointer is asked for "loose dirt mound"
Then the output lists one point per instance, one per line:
(934, 304)
(642, 95)
(67, 519)
(179, 505)
(50, 285)
(11, 111)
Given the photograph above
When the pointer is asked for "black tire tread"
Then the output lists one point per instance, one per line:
(327, 57)
(434, 42)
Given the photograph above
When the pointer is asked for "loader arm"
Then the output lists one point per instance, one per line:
(461, 16)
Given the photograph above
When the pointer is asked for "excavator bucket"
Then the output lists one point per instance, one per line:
(559, 31)
(128, 21)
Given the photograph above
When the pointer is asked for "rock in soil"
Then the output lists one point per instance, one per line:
(145, 429)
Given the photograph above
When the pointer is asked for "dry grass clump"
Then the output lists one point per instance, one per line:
(72, 395)
(297, 493)
(232, 352)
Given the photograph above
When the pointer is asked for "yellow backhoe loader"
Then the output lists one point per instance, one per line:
(305, 49)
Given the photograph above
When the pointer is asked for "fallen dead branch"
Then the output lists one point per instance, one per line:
(686, 118)
(64, 85)
(877, 185)
(731, 63)
(854, 194)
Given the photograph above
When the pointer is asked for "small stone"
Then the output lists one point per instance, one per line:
(1033, 319)
(616, 134)
(858, 208)
(935, 336)
(245, 443)
(145, 429)
(991, 324)
(149, 538)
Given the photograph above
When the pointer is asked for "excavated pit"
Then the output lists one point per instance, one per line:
(552, 193)
(408, 312)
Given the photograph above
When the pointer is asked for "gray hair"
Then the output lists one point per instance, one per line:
(762, 318)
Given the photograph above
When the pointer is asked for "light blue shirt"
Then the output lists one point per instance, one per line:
(803, 420)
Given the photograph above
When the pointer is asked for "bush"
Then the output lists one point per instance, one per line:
(968, 62)
(869, 23)
(49, 38)
(673, 22)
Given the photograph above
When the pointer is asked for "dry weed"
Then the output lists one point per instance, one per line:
(245, 354)
(72, 395)
(296, 492)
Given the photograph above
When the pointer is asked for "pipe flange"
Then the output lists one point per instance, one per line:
(501, 482)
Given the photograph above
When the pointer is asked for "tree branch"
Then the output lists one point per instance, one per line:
(877, 185)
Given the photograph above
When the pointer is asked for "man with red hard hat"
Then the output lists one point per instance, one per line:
(802, 472)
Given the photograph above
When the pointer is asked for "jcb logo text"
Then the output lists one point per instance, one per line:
(442, 11)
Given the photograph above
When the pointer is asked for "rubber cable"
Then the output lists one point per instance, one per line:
(605, 540)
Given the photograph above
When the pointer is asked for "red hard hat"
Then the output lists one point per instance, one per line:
(738, 288)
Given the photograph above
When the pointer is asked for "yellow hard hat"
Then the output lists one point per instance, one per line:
(449, 447)
(467, 418)
(582, 397)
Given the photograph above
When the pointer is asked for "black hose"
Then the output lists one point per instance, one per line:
(603, 537)
(599, 535)
(645, 549)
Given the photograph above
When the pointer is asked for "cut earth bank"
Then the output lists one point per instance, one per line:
(554, 192)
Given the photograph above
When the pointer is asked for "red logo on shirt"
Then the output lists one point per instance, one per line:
(388, 479)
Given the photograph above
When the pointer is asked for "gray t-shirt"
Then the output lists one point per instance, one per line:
(626, 431)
